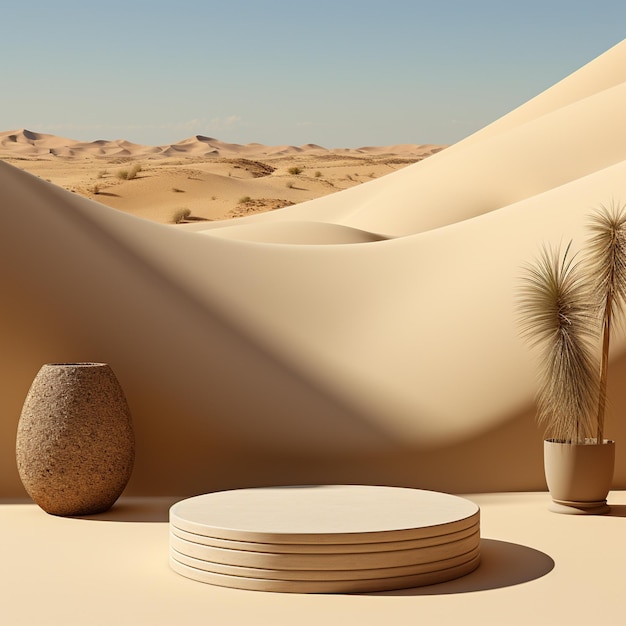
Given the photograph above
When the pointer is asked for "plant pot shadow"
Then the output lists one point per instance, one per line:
(617, 510)
(503, 564)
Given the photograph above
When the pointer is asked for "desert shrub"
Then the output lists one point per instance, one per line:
(134, 171)
(295, 170)
(289, 184)
(177, 190)
(318, 174)
(102, 173)
(129, 174)
(180, 215)
(244, 199)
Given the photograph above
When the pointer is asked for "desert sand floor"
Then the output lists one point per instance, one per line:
(200, 179)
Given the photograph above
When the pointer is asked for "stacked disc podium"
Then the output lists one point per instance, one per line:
(324, 539)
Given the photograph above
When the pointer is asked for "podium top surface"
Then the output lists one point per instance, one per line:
(324, 514)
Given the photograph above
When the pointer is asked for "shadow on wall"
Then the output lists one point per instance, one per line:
(196, 389)
(213, 406)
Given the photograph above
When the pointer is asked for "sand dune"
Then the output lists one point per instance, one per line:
(28, 143)
(202, 176)
(497, 167)
(365, 336)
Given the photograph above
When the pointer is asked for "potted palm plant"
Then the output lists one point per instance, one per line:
(568, 309)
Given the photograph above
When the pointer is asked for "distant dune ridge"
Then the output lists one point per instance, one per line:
(27, 143)
(365, 336)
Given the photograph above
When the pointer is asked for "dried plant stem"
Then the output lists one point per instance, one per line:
(604, 371)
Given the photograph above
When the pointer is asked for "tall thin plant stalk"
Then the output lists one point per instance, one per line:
(606, 258)
(557, 317)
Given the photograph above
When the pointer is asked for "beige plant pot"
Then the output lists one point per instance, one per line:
(579, 476)
(75, 444)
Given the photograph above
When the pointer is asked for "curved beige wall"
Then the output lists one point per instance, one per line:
(269, 350)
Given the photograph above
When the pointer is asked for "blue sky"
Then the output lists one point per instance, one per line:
(340, 73)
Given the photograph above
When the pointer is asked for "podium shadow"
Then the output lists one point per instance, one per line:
(502, 564)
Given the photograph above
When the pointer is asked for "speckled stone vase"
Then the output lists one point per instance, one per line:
(75, 444)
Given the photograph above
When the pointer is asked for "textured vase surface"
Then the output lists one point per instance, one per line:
(75, 444)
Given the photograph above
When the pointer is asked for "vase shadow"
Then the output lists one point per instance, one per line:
(503, 564)
(135, 510)
(155, 509)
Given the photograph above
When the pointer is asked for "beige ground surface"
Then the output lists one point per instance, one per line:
(368, 336)
(200, 177)
(537, 568)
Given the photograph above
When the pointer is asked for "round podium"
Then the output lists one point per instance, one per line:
(324, 539)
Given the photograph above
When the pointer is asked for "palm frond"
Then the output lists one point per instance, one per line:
(556, 317)
(607, 259)
(607, 273)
